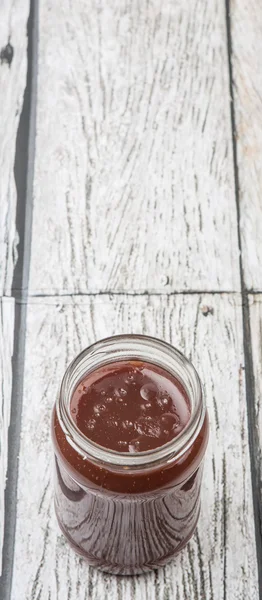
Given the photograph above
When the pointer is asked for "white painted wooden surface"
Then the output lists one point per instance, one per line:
(6, 351)
(246, 18)
(255, 308)
(13, 21)
(220, 561)
(134, 191)
(134, 185)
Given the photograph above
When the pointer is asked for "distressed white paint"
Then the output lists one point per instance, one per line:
(255, 308)
(220, 561)
(13, 21)
(133, 181)
(6, 351)
(246, 22)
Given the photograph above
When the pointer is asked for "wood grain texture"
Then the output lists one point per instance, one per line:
(255, 309)
(13, 65)
(220, 561)
(133, 181)
(6, 351)
(246, 25)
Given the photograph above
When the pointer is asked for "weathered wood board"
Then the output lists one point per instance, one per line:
(134, 185)
(220, 561)
(6, 351)
(246, 26)
(13, 66)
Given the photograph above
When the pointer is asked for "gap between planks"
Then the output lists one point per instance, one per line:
(17, 294)
(247, 336)
(23, 173)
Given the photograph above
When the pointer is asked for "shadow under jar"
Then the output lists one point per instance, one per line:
(130, 430)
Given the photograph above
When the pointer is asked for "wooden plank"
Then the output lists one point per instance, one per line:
(6, 351)
(133, 127)
(13, 64)
(220, 561)
(246, 24)
(255, 308)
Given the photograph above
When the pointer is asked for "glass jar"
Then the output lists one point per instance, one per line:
(127, 513)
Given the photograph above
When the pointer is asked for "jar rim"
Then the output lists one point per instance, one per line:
(124, 348)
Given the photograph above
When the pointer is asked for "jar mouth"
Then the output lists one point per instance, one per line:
(124, 348)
